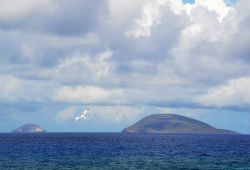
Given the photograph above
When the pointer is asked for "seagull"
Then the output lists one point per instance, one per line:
(82, 115)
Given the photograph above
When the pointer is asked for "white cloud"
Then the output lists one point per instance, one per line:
(187, 49)
(217, 6)
(152, 13)
(123, 10)
(14, 9)
(116, 114)
(150, 17)
(87, 94)
(22, 90)
(203, 45)
(235, 93)
(88, 68)
(66, 114)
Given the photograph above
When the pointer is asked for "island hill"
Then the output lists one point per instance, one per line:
(172, 123)
(156, 123)
(29, 128)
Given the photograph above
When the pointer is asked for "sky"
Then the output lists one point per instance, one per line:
(125, 59)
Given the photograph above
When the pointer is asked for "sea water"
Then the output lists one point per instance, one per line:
(124, 151)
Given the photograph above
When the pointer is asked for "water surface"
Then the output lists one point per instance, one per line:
(124, 151)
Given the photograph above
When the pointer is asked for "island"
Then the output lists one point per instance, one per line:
(29, 128)
(173, 123)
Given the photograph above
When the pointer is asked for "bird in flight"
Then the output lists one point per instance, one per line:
(83, 115)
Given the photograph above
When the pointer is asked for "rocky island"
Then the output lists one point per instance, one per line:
(29, 128)
(172, 123)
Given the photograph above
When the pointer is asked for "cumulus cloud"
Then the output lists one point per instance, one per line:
(144, 52)
(117, 114)
(235, 93)
(151, 14)
(14, 9)
(219, 7)
(206, 40)
(66, 114)
(22, 90)
(88, 94)
(150, 17)
(88, 68)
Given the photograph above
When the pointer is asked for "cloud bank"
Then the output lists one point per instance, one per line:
(126, 53)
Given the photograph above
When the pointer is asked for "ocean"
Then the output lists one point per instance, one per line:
(124, 151)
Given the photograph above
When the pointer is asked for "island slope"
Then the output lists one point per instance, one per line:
(172, 123)
(29, 128)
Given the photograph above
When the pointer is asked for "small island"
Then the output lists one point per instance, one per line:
(173, 123)
(29, 128)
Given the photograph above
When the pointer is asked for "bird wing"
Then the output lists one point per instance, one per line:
(77, 118)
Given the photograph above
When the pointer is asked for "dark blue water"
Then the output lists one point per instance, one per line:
(123, 151)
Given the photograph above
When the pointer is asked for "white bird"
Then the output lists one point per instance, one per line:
(83, 115)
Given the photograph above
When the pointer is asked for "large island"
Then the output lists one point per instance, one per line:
(172, 123)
